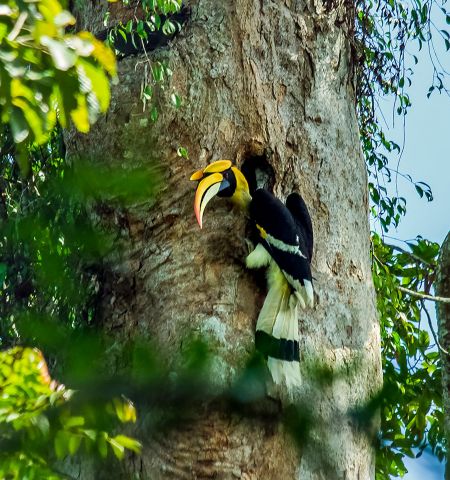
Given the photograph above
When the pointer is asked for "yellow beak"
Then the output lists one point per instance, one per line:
(208, 188)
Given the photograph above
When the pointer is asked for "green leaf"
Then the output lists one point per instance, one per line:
(42, 422)
(76, 421)
(176, 100)
(80, 115)
(102, 445)
(419, 190)
(154, 114)
(182, 152)
(147, 92)
(19, 126)
(61, 442)
(91, 434)
(156, 19)
(128, 443)
(140, 30)
(157, 72)
(98, 82)
(169, 28)
(63, 57)
(9, 56)
(64, 19)
(125, 410)
(33, 117)
(117, 448)
(74, 443)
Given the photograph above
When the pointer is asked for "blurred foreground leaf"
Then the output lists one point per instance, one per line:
(48, 74)
(39, 424)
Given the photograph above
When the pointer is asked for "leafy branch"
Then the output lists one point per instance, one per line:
(48, 74)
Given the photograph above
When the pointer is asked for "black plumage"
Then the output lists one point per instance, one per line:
(289, 239)
(272, 215)
(279, 348)
(284, 245)
(299, 210)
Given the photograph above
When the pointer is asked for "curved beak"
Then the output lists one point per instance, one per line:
(208, 188)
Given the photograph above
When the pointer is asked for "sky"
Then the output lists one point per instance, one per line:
(426, 157)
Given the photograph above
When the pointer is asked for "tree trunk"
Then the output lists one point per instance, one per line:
(443, 319)
(267, 81)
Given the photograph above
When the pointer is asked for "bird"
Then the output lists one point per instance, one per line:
(284, 246)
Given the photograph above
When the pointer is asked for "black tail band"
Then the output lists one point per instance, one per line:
(279, 348)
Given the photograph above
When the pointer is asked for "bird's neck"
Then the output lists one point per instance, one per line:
(242, 199)
(241, 196)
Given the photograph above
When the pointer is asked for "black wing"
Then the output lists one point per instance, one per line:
(299, 211)
(280, 235)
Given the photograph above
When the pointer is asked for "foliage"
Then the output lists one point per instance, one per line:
(156, 15)
(411, 406)
(50, 264)
(50, 272)
(384, 34)
(51, 250)
(47, 74)
(411, 409)
(41, 424)
(42, 242)
(159, 20)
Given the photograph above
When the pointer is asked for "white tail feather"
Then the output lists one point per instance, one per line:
(269, 311)
(300, 299)
(293, 332)
(278, 318)
(283, 372)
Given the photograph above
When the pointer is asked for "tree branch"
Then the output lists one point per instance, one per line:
(424, 296)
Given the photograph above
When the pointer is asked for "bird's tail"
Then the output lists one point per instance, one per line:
(277, 330)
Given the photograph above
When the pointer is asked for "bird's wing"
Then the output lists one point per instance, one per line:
(299, 211)
(279, 234)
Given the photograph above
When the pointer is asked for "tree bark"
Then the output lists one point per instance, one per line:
(443, 319)
(269, 81)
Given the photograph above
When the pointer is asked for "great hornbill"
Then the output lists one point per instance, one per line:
(284, 245)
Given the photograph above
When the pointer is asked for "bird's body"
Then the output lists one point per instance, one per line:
(284, 246)
(287, 237)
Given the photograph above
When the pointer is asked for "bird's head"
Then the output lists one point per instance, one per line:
(219, 178)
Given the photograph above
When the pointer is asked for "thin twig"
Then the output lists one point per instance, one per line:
(430, 324)
(424, 296)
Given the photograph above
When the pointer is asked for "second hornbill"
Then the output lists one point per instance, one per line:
(284, 245)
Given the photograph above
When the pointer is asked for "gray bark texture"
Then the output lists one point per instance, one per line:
(443, 319)
(263, 79)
